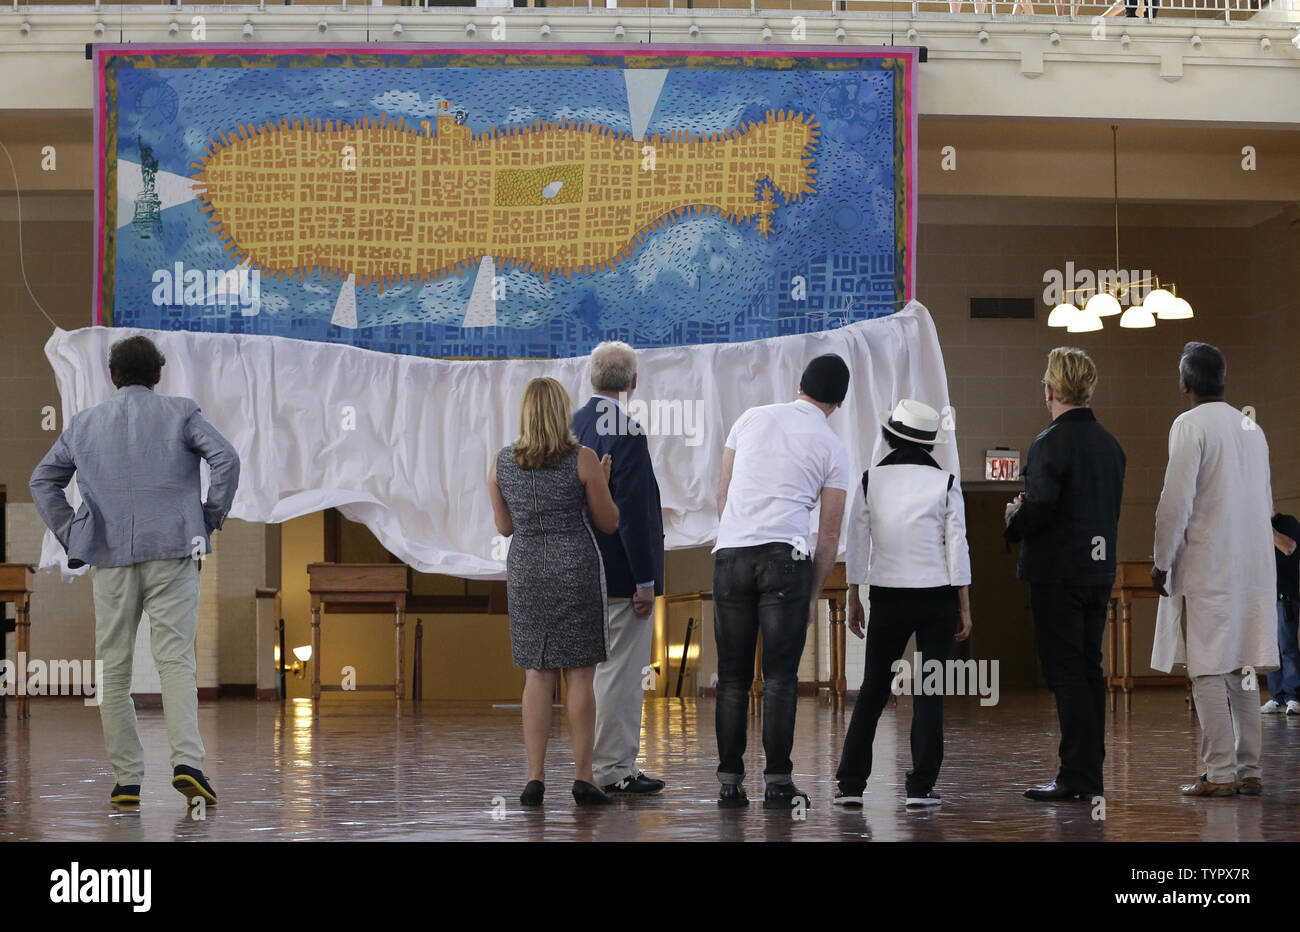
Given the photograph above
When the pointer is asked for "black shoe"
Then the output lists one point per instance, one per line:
(191, 783)
(847, 800)
(588, 794)
(732, 796)
(639, 785)
(532, 794)
(1052, 792)
(125, 797)
(783, 796)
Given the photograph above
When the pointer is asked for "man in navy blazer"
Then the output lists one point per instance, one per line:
(143, 528)
(634, 569)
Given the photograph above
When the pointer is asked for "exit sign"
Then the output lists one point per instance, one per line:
(1001, 465)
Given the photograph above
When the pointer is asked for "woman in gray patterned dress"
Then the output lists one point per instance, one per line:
(547, 490)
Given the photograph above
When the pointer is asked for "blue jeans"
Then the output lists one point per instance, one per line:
(759, 588)
(1284, 684)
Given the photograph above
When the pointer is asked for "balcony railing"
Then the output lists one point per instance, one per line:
(1280, 11)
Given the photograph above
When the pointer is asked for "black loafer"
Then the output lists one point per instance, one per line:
(1053, 792)
(588, 794)
(732, 796)
(783, 796)
(639, 785)
(125, 797)
(533, 793)
(191, 783)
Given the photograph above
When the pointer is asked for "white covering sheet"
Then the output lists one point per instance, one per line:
(403, 444)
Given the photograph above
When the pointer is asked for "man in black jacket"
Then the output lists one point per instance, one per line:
(1067, 519)
(634, 569)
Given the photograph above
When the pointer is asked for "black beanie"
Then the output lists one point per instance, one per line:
(825, 379)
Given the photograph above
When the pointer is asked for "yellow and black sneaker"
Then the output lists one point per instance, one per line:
(191, 783)
(125, 797)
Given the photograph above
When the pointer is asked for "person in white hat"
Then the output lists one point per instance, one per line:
(907, 540)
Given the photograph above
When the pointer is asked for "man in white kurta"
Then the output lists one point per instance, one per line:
(1213, 552)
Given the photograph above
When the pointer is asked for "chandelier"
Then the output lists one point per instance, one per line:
(1108, 298)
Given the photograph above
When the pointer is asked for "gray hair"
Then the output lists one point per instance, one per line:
(613, 366)
(1203, 369)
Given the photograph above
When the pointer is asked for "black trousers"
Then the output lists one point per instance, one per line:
(759, 588)
(1069, 622)
(934, 616)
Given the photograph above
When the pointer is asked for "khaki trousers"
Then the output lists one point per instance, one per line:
(1231, 733)
(619, 696)
(168, 592)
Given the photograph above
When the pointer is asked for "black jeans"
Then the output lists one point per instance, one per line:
(759, 588)
(1152, 8)
(1069, 622)
(934, 616)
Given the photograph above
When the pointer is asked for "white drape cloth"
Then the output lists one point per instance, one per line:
(1214, 536)
(403, 444)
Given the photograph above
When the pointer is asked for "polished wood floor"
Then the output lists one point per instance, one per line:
(453, 771)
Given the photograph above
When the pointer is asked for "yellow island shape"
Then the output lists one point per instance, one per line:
(554, 198)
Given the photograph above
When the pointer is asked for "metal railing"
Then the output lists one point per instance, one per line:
(1227, 10)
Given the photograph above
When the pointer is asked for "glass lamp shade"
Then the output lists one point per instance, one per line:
(1102, 304)
(303, 653)
(1180, 310)
(1061, 315)
(1137, 318)
(1159, 302)
(1085, 321)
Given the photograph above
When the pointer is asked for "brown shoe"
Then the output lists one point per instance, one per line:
(1251, 786)
(1203, 787)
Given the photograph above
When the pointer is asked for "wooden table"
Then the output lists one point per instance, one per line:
(836, 592)
(359, 588)
(16, 584)
(1132, 581)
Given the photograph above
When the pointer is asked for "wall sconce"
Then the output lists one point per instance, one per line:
(302, 655)
(248, 30)
(1196, 42)
(545, 30)
(25, 28)
(1264, 43)
(1124, 40)
(322, 27)
(693, 31)
(983, 36)
(840, 33)
(619, 31)
(767, 33)
(99, 29)
(912, 34)
(173, 27)
(1054, 38)
(470, 29)
(397, 29)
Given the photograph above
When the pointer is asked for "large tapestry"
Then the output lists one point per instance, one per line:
(500, 202)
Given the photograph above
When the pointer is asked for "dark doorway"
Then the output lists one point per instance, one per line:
(1004, 626)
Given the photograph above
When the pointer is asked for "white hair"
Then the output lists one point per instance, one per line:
(613, 366)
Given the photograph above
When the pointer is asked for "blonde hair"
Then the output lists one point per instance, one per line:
(1072, 375)
(545, 436)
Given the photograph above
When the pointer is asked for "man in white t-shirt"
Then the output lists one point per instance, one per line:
(780, 461)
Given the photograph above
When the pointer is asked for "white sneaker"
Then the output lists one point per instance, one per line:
(929, 799)
(1271, 707)
(1292, 707)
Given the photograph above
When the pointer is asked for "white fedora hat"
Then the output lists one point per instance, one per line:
(913, 420)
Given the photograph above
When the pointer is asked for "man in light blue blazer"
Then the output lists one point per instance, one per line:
(143, 528)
